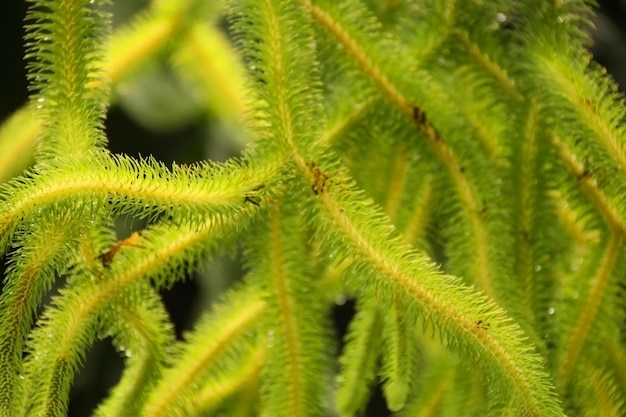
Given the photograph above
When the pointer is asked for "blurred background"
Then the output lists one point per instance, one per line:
(160, 116)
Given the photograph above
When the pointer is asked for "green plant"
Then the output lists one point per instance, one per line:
(455, 167)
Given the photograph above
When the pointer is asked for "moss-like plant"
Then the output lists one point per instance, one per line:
(455, 167)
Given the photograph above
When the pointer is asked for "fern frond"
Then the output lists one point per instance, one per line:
(531, 218)
(427, 27)
(405, 192)
(399, 271)
(49, 372)
(350, 224)
(293, 378)
(588, 308)
(416, 218)
(457, 168)
(617, 364)
(359, 359)
(414, 99)
(486, 62)
(289, 107)
(586, 98)
(142, 334)
(599, 395)
(400, 166)
(580, 102)
(358, 44)
(564, 24)
(217, 391)
(64, 44)
(399, 364)
(40, 255)
(73, 323)
(144, 188)
(208, 352)
(609, 401)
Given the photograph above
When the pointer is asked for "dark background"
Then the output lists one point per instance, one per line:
(185, 142)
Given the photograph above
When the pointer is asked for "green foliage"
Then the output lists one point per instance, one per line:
(457, 168)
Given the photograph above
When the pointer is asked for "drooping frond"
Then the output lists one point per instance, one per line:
(163, 254)
(399, 370)
(234, 392)
(417, 96)
(473, 324)
(34, 266)
(73, 332)
(143, 335)
(209, 352)
(532, 220)
(359, 359)
(294, 378)
(594, 191)
(349, 223)
(580, 102)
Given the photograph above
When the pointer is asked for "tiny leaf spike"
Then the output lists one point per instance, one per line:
(426, 200)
